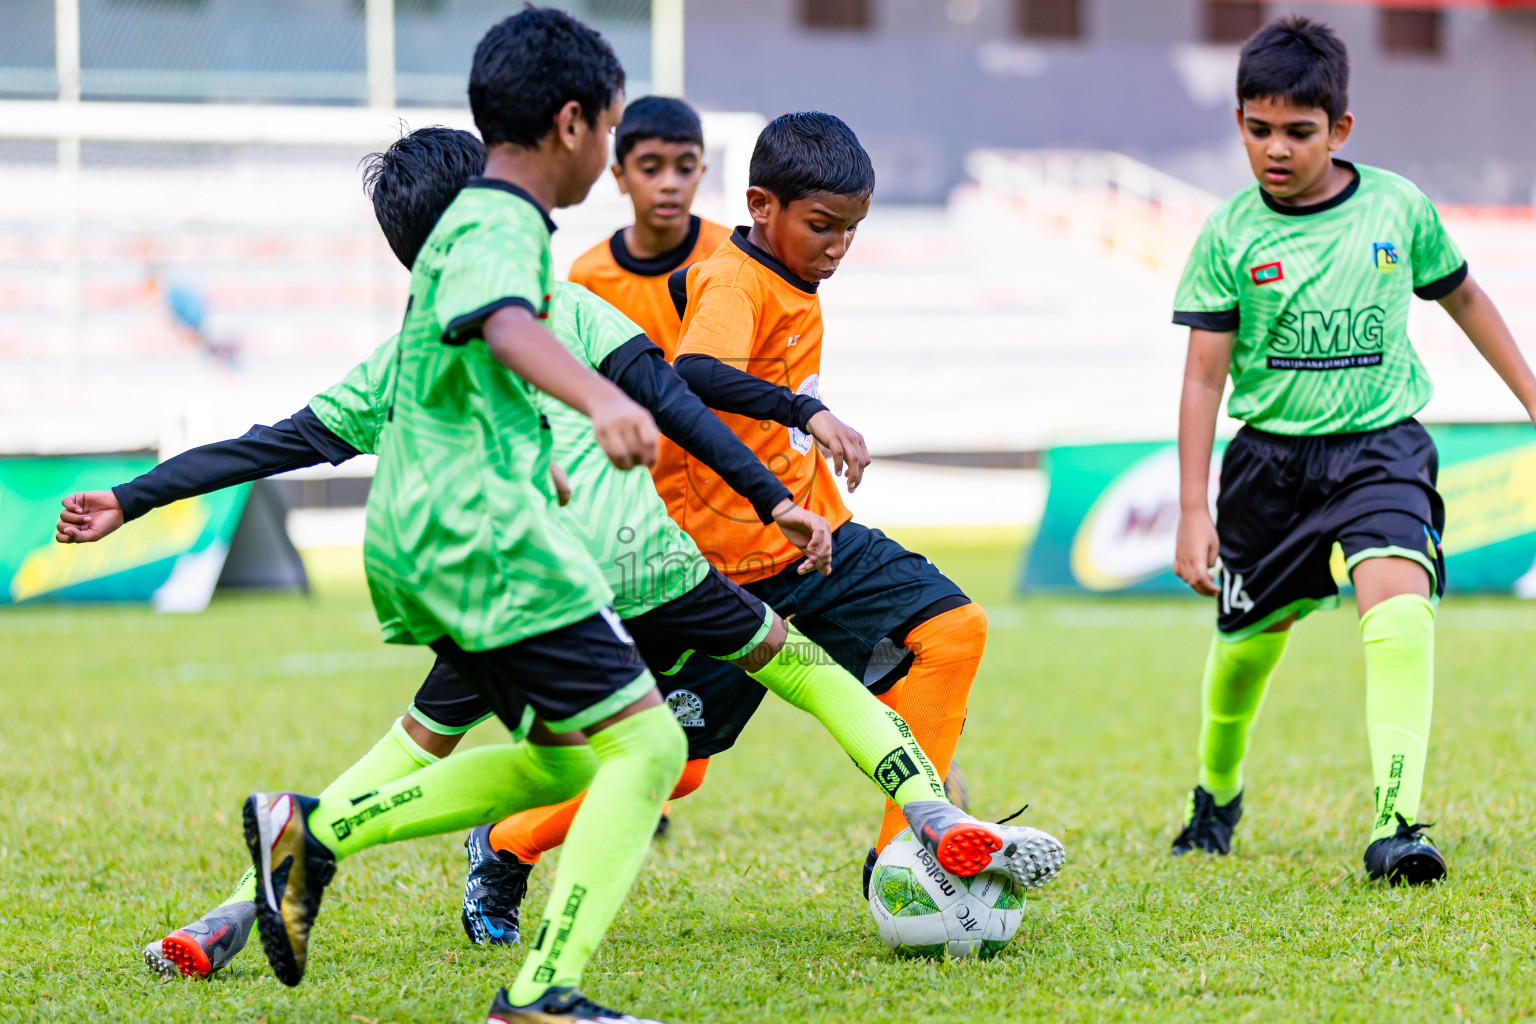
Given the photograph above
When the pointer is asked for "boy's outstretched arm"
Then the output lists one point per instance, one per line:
(263, 451)
(731, 390)
(1479, 319)
(642, 372)
(625, 431)
(1205, 377)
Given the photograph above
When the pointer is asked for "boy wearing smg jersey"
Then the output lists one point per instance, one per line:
(751, 349)
(1299, 289)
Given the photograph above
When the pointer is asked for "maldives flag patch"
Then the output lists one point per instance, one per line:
(1269, 273)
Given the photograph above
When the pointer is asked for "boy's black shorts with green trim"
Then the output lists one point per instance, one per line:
(570, 678)
(716, 618)
(1285, 501)
(878, 592)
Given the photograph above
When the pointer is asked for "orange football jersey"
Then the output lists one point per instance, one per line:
(638, 288)
(747, 310)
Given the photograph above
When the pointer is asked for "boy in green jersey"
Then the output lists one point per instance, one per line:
(463, 551)
(668, 595)
(1299, 289)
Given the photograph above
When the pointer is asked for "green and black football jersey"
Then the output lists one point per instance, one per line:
(1317, 297)
(463, 538)
(644, 556)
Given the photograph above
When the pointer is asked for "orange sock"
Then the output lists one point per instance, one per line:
(932, 697)
(529, 834)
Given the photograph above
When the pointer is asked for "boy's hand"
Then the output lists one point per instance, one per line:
(88, 516)
(843, 445)
(625, 431)
(808, 532)
(562, 484)
(1196, 552)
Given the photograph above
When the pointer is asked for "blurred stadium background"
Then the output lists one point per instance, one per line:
(185, 248)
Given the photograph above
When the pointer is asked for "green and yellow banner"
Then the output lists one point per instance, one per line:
(171, 557)
(1113, 512)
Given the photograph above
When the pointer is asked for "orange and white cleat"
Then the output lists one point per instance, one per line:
(204, 946)
(966, 846)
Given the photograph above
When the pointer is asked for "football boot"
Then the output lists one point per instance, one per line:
(965, 846)
(1206, 826)
(292, 870)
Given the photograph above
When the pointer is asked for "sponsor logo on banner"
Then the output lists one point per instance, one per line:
(1130, 532)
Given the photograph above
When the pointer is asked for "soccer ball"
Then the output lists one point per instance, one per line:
(922, 910)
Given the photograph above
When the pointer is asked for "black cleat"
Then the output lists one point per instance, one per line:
(662, 824)
(1405, 856)
(493, 892)
(869, 869)
(558, 1006)
(292, 870)
(1206, 826)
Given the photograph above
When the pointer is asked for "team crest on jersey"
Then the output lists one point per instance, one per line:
(799, 440)
(1268, 273)
(1384, 255)
(687, 708)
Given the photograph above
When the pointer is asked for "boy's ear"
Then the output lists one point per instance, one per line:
(760, 204)
(1339, 133)
(618, 176)
(569, 123)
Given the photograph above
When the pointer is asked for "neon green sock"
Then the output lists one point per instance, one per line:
(468, 789)
(872, 734)
(641, 757)
(1399, 636)
(1236, 676)
(393, 757)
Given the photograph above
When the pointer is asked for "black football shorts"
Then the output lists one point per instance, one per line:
(1285, 501)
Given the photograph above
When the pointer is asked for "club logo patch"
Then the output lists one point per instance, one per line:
(687, 707)
(1384, 255)
(1268, 273)
(894, 769)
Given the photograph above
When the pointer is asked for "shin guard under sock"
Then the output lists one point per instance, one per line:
(1231, 694)
(641, 758)
(460, 792)
(932, 698)
(1399, 636)
(530, 834)
(877, 739)
(393, 757)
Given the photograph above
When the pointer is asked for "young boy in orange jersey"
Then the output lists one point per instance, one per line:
(658, 162)
(750, 347)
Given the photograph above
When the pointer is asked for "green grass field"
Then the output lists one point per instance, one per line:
(128, 741)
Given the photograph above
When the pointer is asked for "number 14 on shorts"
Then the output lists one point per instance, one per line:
(1233, 596)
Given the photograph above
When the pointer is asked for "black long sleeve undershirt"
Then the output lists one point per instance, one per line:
(301, 440)
(731, 390)
(642, 372)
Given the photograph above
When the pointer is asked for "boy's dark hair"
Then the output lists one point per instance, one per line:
(656, 117)
(530, 65)
(412, 182)
(807, 154)
(1298, 60)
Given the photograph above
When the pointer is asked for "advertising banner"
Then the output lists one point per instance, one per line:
(171, 557)
(1113, 512)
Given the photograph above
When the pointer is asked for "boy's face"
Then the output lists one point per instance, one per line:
(1290, 148)
(809, 236)
(661, 178)
(586, 147)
